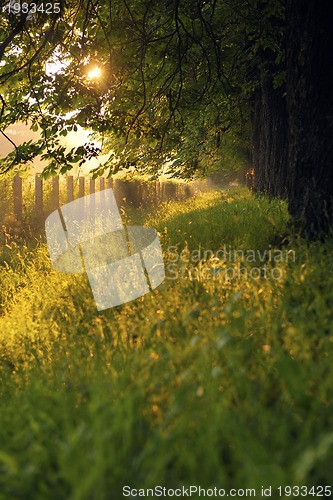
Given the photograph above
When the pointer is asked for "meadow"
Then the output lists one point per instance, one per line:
(222, 377)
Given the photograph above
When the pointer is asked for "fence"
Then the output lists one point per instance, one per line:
(49, 194)
(71, 194)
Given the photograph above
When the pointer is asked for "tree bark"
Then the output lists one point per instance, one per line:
(269, 138)
(310, 108)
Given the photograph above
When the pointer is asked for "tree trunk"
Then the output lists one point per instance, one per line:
(310, 107)
(269, 138)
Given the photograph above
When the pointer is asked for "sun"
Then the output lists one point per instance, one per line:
(94, 73)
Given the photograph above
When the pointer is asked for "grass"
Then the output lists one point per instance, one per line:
(207, 381)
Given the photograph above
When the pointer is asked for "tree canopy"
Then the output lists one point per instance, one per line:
(168, 86)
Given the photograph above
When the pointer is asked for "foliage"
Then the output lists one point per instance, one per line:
(208, 382)
(169, 88)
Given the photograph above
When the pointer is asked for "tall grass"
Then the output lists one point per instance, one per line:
(209, 380)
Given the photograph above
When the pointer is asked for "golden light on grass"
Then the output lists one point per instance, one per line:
(266, 348)
(94, 73)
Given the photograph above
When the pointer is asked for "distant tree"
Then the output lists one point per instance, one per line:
(265, 28)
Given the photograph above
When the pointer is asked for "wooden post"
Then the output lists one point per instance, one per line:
(159, 192)
(18, 197)
(55, 191)
(92, 186)
(81, 186)
(39, 195)
(110, 183)
(70, 189)
(102, 183)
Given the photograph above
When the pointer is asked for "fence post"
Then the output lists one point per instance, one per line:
(110, 183)
(18, 197)
(81, 186)
(70, 189)
(55, 192)
(92, 186)
(102, 183)
(39, 195)
(159, 191)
